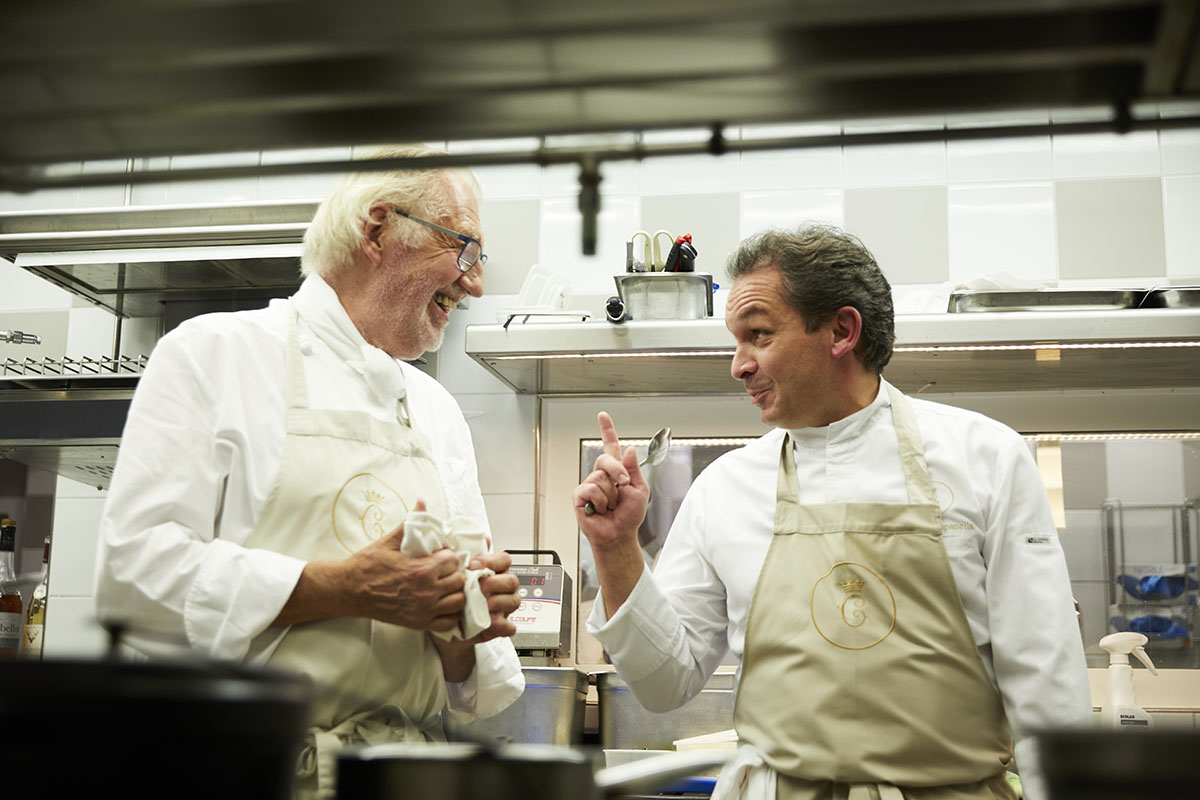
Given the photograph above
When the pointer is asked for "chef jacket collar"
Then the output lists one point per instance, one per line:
(843, 430)
(318, 305)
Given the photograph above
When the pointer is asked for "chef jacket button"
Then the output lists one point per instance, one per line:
(306, 347)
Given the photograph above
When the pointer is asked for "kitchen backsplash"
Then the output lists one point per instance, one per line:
(1096, 209)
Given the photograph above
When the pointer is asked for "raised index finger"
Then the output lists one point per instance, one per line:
(608, 433)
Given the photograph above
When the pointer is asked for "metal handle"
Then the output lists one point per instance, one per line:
(19, 337)
(551, 553)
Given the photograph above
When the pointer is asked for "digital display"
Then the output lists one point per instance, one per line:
(537, 580)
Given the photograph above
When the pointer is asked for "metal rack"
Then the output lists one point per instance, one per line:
(1173, 555)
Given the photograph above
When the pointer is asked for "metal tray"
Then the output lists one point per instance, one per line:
(1172, 297)
(965, 301)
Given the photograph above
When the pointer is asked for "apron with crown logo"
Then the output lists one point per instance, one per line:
(345, 480)
(860, 677)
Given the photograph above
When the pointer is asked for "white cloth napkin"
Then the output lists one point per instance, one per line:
(745, 777)
(424, 533)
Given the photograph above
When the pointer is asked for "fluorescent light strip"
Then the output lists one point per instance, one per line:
(1106, 437)
(900, 348)
(947, 348)
(545, 356)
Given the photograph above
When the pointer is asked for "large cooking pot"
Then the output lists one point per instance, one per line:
(465, 771)
(74, 728)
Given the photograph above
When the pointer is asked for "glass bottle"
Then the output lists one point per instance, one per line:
(10, 592)
(35, 615)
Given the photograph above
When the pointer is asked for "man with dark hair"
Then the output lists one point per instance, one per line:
(886, 568)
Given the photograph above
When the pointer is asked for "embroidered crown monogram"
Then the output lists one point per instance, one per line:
(364, 509)
(852, 606)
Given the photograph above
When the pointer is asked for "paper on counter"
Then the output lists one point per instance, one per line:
(424, 533)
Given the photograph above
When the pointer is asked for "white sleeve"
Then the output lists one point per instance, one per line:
(1036, 648)
(160, 569)
(495, 683)
(669, 635)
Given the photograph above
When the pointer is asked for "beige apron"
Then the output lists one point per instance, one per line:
(346, 479)
(860, 674)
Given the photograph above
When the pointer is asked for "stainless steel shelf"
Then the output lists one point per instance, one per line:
(1018, 351)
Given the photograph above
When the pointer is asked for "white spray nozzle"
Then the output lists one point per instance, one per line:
(1120, 645)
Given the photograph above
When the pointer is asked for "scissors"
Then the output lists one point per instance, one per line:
(658, 261)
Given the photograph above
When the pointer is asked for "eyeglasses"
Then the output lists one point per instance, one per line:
(472, 249)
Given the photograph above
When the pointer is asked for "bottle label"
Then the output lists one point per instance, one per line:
(32, 639)
(8, 539)
(10, 630)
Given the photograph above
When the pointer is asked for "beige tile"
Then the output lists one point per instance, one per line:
(1110, 229)
(905, 228)
(1083, 545)
(510, 228)
(712, 219)
(1085, 481)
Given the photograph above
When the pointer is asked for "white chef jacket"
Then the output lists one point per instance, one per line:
(997, 528)
(199, 455)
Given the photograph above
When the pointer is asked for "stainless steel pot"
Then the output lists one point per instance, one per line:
(461, 771)
(549, 711)
(193, 729)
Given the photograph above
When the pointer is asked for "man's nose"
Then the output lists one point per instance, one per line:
(472, 281)
(742, 365)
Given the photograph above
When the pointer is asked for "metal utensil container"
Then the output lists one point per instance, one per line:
(549, 711)
(1045, 300)
(625, 724)
(665, 295)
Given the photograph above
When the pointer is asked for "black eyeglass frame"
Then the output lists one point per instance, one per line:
(467, 241)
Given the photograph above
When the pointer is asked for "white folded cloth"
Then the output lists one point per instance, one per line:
(745, 777)
(424, 533)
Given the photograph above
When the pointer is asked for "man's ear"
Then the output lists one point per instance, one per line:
(846, 326)
(371, 242)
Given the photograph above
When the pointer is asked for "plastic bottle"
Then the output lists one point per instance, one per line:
(1122, 712)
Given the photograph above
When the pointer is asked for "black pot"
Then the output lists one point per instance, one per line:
(466, 771)
(150, 729)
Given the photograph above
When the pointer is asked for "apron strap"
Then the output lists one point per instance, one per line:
(912, 452)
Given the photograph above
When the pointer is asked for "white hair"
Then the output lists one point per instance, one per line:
(336, 230)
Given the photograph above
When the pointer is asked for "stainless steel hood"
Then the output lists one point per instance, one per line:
(170, 262)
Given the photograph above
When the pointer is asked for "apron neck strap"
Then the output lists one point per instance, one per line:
(912, 451)
(912, 458)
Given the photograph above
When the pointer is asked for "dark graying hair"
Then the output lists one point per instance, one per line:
(823, 268)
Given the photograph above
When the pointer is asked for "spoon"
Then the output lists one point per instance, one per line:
(655, 453)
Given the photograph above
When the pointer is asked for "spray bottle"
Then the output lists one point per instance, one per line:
(1121, 712)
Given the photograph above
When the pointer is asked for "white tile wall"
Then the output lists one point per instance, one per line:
(1005, 228)
(933, 212)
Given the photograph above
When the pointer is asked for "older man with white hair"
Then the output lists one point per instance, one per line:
(273, 459)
